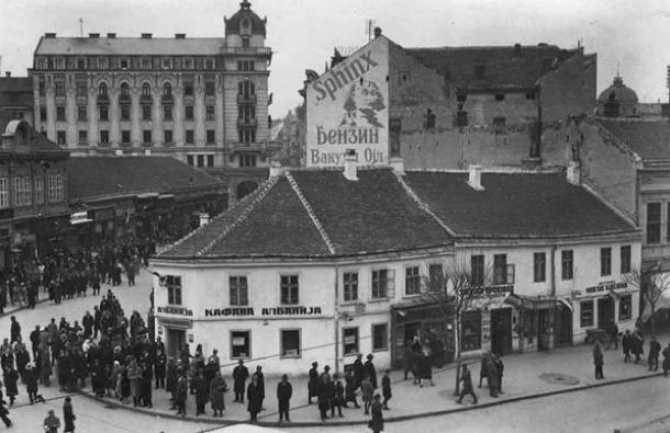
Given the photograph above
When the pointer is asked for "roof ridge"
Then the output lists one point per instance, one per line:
(263, 190)
(310, 212)
(423, 205)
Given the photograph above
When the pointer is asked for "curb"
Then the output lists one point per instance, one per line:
(23, 307)
(364, 422)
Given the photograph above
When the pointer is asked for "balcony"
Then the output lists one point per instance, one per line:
(246, 99)
(246, 122)
(248, 147)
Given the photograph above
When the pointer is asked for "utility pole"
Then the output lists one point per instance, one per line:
(369, 29)
(81, 27)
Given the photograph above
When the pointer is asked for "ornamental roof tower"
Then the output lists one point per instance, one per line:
(245, 22)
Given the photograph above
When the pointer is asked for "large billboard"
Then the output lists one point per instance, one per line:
(347, 108)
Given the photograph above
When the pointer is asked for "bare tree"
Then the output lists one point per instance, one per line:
(652, 282)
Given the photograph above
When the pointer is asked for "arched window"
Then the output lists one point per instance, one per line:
(146, 89)
(102, 90)
(125, 90)
(167, 90)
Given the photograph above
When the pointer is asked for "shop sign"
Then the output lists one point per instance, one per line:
(277, 311)
(490, 291)
(79, 218)
(607, 286)
(175, 323)
(175, 310)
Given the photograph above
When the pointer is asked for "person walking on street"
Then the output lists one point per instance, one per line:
(408, 358)
(637, 345)
(313, 382)
(4, 411)
(261, 384)
(494, 378)
(598, 359)
(68, 416)
(15, 330)
(654, 352)
(323, 396)
(51, 423)
(369, 370)
(240, 376)
(666, 360)
(614, 334)
(367, 392)
(217, 388)
(466, 378)
(359, 369)
(483, 368)
(338, 400)
(500, 367)
(376, 424)
(386, 389)
(181, 395)
(254, 399)
(284, 394)
(350, 389)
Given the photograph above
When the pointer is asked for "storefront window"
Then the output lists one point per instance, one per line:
(471, 330)
(380, 337)
(625, 307)
(350, 286)
(289, 289)
(240, 342)
(239, 293)
(350, 340)
(173, 284)
(586, 313)
(290, 343)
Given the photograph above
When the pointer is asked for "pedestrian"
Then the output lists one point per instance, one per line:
(336, 394)
(284, 393)
(31, 383)
(160, 366)
(217, 388)
(350, 389)
(15, 330)
(638, 345)
(313, 382)
(11, 378)
(614, 334)
(466, 389)
(359, 370)
(4, 411)
(666, 360)
(51, 423)
(367, 392)
(261, 384)
(68, 416)
(370, 371)
(654, 352)
(626, 345)
(408, 359)
(500, 369)
(386, 388)
(376, 424)
(181, 395)
(483, 368)
(254, 399)
(492, 374)
(598, 359)
(201, 392)
(240, 375)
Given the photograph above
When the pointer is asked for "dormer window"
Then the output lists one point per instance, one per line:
(166, 63)
(188, 63)
(103, 63)
(245, 27)
(209, 64)
(146, 63)
(81, 63)
(125, 64)
(60, 63)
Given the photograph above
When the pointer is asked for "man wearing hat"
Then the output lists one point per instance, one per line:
(376, 424)
(359, 370)
(51, 423)
(369, 370)
(313, 383)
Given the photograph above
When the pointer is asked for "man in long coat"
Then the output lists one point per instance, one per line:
(254, 398)
(369, 370)
(261, 383)
(68, 416)
(284, 393)
(313, 383)
(216, 389)
(240, 376)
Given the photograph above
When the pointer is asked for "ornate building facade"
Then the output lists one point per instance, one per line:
(203, 101)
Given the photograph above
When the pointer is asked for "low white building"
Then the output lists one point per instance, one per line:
(317, 265)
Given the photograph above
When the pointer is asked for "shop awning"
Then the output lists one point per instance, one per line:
(531, 302)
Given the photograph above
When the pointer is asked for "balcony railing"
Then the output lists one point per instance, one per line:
(246, 99)
(247, 122)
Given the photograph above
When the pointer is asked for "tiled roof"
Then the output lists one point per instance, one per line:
(515, 205)
(94, 176)
(129, 46)
(649, 139)
(503, 67)
(16, 92)
(27, 141)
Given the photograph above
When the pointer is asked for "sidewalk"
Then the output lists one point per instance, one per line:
(526, 376)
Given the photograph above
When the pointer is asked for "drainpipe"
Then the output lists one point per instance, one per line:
(337, 319)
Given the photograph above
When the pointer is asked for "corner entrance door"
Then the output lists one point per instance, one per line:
(501, 330)
(176, 338)
(605, 312)
(563, 326)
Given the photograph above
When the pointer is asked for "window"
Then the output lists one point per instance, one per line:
(625, 259)
(42, 87)
(4, 193)
(124, 63)
(43, 114)
(566, 265)
(429, 119)
(436, 276)
(59, 88)
(200, 161)
(146, 63)
(102, 90)
(60, 63)
(55, 188)
(166, 63)
(60, 137)
(626, 307)
(210, 136)
(167, 90)
(146, 112)
(477, 270)
(60, 113)
(146, 90)
(500, 269)
(190, 136)
(146, 136)
(246, 88)
(173, 284)
(23, 191)
(247, 135)
(239, 292)
(471, 330)
(188, 112)
(539, 267)
(125, 136)
(245, 65)
(290, 343)
(188, 89)
(39, 190)
(82, 113)
(104, 111)
(104, 137)
(383, 283)
(499, 125)
(247, 160)
(289, 289)
(82, 90)
(500, 97)
(412, 281)
(125, 111)
(350, 341)
(83, 137)
(605, 261)
(653, 223)
(586, 313)
(103, 63)
(189, 160)
(209, 64)
(380, 337)
(210, 160)
(209, 88)
(350, 280)
(188, 63)
(168, 136)
(480, 72)
(209, 112)
(240, 344)
(167, 112)
(125, 91)
(246, 43)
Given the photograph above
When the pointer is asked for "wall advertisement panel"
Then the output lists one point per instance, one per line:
(347, 108)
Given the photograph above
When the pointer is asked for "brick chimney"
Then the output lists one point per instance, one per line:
(574, 173)
(475, 177)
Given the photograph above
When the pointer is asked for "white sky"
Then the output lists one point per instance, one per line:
(632, 34)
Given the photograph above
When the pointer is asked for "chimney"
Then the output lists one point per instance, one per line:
(118, 152)
(180, 35)
(204, 218)
(50, 35)
(475, 177)
(94, 35)
(8, 74)
(146, 35)
(111, 35)
(350, 162)
(574, 173)
(275, 169)
(378, 32)
(398, 165)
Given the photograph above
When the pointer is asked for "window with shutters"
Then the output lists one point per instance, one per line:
(383, 283)
(239, 292)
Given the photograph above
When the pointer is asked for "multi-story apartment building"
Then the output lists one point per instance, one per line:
(203, 101)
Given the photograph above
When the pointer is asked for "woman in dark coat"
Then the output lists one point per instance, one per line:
(598, 359)
(313, 383)
(254, 398)
(216, 390)
(376, 424)
(68, 416)
(11, 379)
